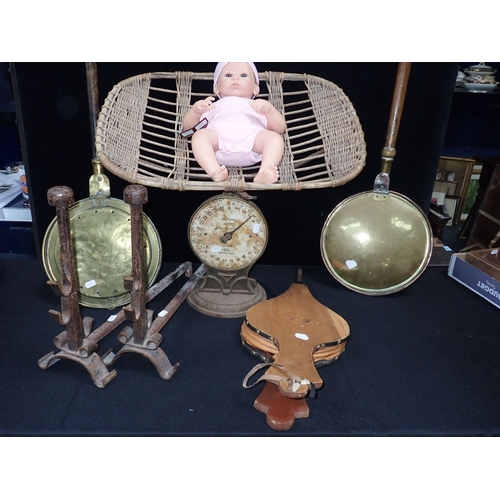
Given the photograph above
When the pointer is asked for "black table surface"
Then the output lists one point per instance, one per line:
(420, 362)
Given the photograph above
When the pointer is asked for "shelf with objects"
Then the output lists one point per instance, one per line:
(470, 146)
(484, 229)
(16, 232)
(456, 186)
(474, 122)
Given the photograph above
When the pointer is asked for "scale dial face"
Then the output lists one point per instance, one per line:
(228, 233)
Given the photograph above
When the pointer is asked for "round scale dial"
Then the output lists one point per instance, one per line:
(228, 233)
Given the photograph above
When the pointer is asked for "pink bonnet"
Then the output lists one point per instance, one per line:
(221, 65)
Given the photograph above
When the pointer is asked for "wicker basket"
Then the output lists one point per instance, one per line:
(137, 136)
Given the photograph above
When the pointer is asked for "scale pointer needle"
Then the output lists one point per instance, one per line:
(227, 236)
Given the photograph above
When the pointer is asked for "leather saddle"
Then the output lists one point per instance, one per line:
(293, 334)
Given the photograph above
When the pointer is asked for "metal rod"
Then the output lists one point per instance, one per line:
(99, 333)
(175, 302)
(93, 100)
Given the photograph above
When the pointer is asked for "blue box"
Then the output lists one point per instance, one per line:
(474, 279)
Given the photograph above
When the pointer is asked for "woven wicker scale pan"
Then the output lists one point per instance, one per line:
(138, 128)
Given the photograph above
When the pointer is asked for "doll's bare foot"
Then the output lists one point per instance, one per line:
(267, 175)
(220, 175)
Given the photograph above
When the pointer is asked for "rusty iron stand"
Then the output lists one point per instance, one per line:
(76, 343)
(79, 342)
(144, 337)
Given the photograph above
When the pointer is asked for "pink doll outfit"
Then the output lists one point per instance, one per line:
(237, 125)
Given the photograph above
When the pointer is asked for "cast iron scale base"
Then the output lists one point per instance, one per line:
(226, 294)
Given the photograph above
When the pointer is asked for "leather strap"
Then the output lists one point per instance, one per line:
(284, 376)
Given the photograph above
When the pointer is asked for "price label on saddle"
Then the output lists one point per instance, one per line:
(302, 336)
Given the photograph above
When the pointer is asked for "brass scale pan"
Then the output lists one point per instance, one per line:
(379, 242)
(101, 232)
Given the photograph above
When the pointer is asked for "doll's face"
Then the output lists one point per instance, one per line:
(236, 79)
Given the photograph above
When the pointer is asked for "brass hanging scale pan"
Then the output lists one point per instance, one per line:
(101, 233)
(379, 242)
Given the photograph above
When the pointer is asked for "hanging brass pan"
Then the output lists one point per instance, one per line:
(379, 242)
(101, 233)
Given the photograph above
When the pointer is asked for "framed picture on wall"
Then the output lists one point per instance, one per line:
(470, 192)
(463, 169)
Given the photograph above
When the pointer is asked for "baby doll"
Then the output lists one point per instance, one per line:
(241, 131)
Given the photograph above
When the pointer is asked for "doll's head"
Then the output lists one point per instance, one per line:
(236, 79)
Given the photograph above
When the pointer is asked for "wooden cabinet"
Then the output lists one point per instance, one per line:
(485, 232)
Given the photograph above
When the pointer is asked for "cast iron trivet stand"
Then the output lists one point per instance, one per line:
(144, 337)
(78, 343)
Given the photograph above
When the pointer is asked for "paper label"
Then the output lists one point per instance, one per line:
(351, 264)
(90, 284)
(162, 313)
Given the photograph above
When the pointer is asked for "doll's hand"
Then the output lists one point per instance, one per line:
(262, 106)
(199, 107)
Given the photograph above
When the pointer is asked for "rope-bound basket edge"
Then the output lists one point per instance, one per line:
(123, 148)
